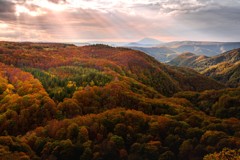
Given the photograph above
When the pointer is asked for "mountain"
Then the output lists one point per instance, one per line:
(165, 52)
(61, 101)
(145, 42)
(202, 48)
(149, 41)
(135, 64)
(187, 60)
(224, 67)
(162, 54)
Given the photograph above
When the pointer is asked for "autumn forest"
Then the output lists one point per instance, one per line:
(96, 102)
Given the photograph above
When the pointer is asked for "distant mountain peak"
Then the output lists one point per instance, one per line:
(145, 42)
(149, 41)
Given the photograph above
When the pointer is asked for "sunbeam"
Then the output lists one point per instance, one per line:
(123, 20)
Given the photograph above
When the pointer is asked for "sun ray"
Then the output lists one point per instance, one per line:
(20, 9)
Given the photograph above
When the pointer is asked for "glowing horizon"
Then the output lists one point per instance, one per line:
(119, 21)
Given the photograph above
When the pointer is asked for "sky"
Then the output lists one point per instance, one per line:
(119, 20)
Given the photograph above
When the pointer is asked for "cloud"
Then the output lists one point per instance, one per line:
(76, 20)
(6, 6)
(222, 22)
(7, 9)
(58, 1)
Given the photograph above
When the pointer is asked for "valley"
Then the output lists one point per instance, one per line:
(119, 80)
(223, 67)
(61, 101)
(167, 51)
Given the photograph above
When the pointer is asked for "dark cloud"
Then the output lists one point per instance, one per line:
(222, 22)
(6, 6)
(7, 10)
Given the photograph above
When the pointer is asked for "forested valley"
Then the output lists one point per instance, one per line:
(63, 102)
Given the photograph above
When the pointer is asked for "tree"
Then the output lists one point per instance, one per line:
(168, 155)
(120, 129)
(186, 149)
(83, 134)
(87, 154)
(72, 132)
(118, 141)
(226, 153)
(70, 108)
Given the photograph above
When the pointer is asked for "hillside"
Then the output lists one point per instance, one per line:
(24, 104)
(224, 67)
(225, 72)
(202, 48)
(60, 101)
(126, 62)
(187, 60)
(162, 54)
(145, 42)
(166, 52)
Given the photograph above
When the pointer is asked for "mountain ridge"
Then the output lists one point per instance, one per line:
(66, 102)
(163, 78)
(145, 42)
(208, 49)
(199, 47)
(223, 67)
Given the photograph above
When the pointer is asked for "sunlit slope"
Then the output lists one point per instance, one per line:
(24, 104)
(223, 68)
(126, 62)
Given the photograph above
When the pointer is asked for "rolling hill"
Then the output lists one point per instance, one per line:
(60, 101)
(162, 54)
(133, 64)
(224, 67)
(187, 60)
(165, 52)
(202, 48)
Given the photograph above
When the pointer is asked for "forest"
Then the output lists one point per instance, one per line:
(63, 102)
